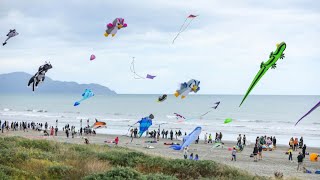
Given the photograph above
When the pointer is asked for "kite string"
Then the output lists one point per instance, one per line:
(182, 29)
(134, 71)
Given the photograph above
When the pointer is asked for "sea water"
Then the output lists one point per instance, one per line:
(259, 115)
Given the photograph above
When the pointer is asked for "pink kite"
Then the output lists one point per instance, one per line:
(92, 57)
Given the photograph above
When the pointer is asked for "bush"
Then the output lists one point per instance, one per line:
(38, 144)
(117, 173)
(130, 159)
(59, 171)
(160, 177)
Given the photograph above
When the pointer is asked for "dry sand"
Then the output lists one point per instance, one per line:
(272, 161)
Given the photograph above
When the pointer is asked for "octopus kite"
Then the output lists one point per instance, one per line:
(112, 28)
(265, 66)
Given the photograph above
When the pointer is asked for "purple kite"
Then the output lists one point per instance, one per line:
(92, 57)
(150, 76)
(312, 109)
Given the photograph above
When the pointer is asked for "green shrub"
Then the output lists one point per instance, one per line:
(59, 171)
(118, 173)
(44, 145)
(160, 177)
(130, 159)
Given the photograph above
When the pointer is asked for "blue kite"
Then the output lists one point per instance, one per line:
(145, 123)
(87, 94)
(187, 140)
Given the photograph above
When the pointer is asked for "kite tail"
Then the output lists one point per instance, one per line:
(176, 147)
(78, 103)
(4, 43)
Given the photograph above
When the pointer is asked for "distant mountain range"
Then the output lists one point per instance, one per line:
(17, 82)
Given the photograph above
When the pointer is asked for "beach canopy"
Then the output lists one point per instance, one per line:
(112, 28)
(228, 120)
(265, 66)
(187, 140)
(145, 123)
(86, 95)
(187, 87)
(40, 75)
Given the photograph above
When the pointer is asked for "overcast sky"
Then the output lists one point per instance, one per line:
(223, 47)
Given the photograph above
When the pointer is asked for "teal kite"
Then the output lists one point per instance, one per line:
(87, 94)
(264, 67)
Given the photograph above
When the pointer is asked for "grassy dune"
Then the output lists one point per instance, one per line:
(22, 158)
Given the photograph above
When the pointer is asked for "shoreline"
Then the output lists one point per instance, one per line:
(272, 161)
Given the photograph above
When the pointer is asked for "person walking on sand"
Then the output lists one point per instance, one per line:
(290, 154)
(296, 144)
(239, 140)
(210, 139)
(205, 138)
(185, 152)
(244, 140)
(304, 150)
(300, 161)
(116, 140)
(234, 154)
(291, 143)
(255, 152)
(260, 152)
(191, 156)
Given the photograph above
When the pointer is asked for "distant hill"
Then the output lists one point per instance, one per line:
(17, 82)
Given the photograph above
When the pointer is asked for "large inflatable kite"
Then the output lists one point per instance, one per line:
(310, 111)
(40, 75)
(12, 33)
(184, 26)
(137, 76)
(145, 123)
(265, 66)
(87, 94)
(187, 140)
(112, 28)
(98, 124)
(187, 87)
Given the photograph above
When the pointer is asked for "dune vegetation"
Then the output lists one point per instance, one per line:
(22, 158)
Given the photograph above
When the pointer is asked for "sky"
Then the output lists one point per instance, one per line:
(223, 47)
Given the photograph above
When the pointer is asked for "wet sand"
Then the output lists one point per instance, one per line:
(272, 161)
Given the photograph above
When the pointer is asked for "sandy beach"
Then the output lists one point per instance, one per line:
(272, 161)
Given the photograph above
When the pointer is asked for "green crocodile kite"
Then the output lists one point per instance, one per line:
(264, 67)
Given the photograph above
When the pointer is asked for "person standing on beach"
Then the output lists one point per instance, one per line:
(296, 144)
(171, 135)
(116, 140)
(56, 131)
(239, 140)
(255, 152)
(196, 158)
(244, 139)
(167, 134)
(185, 152)
(220, 137)
(274, 140)
(290, 154)
(291, 143)
(191, 156)
(304, 150)
(301, 142)
(210, 138)
(300, 161)
(234, 154)
(260, 152)
(205, 138)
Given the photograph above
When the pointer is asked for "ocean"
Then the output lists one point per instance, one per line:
(259, 115)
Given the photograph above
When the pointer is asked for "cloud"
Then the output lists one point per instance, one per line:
(223, 47)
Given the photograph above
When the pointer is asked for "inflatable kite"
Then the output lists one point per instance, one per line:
(265, 66)
(112, 28)
(184, 26)
(145, 123)
(214, 107)
(228, 120)
(92, 57)
(40, 75)
(162, 98)
(137, 76)
(98, 124)
(87, 94)
(312, 109)
(187, 87)
(187, 140)
(314, 157)
(12, 33)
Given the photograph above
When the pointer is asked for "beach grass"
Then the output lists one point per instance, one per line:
(22, 158)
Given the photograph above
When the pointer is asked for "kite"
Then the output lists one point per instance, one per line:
(184, 26)
(187, 140)
(162, 98)
(179, 116)
(264, 67)
(112, 28)
(145, 123)
(214, 107)
(137, 76)
(92, 57)
(312, 109)
(40, 75)
(228, 120)
(98, 124)
(187, 87)
(87, 94)
(12, 33)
